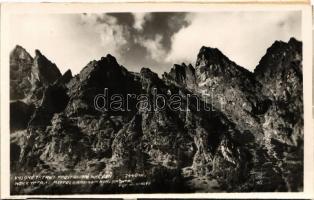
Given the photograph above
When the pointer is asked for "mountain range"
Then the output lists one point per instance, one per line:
(251, 141)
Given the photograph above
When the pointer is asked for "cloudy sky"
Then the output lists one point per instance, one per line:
(154, 40)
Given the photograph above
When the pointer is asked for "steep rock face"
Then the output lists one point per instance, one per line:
(66, 115)
(20, 73)
(161, 128)
(173, 139)
(29, 76)
(280, 72)
(281, 59)
(203, 146)
(182, 75)
(20, 114)
(231, 88)
(149, 139)
(44, 72)
(54, 100)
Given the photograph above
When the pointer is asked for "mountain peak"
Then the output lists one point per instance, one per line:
(279, 52)
(211, 55)
(44, 70)
(212, 62)
(68, 73)
(147, 73)
(102, 71)
(20, 73)
(20, 53)
(292, 40)
(18, 48)
(110, 59)
(279, 46)
(296, 44)
(182, 75)
(66, 77)
(216, 119)
(38, 53)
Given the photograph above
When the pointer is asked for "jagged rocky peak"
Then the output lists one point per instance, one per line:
(230, 88)
(68, 74)
(280, 72)
(150, 80)
(209, 55)
(66, 77)
(109, 62)
(212, 62)
(20, 73)
(44, 71)
(30, 76)
(280, 56)
(20, 53)
(148, 74)
(297, 44)
(107, 67)
(213, 68)
(183, 75)
(93, 79)
(110, 59)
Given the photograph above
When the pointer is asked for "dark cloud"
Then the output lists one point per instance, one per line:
(165, 24)
(126, 19)
(136, 52)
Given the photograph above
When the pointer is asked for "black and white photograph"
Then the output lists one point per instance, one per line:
(155, 101)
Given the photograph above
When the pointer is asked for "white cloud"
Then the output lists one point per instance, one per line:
(154, 47)
(243, 36)
(140, 19)
(112, 36)
(71, 41)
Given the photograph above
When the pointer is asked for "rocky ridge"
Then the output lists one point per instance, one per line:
(251, 139)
